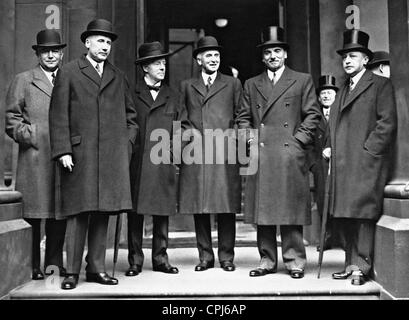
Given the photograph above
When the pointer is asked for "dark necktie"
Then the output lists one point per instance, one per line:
(209, 83)
(98, 69)
(155, 88)
(53, 78)
(351, 84)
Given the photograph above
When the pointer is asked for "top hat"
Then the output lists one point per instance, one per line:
(99, 27)
(326, 82)
(379, 57)
(48, 38)
(206, 43)
(355, 40)
(151, 51)
(273, 36)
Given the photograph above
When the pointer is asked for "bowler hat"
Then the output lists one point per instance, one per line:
(326, 82)
(151, 51)
(379, 57)
(206, 43)
(99, 27)
(355, 40)
(273, 36)
(48, 38)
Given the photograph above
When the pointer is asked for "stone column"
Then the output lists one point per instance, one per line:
(391, 263)
(15, 233)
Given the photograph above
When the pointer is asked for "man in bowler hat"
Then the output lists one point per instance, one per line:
(326, 93)
(362, 131)
(212, 100)
(157, 107)
(282, 105)
(92, 130)
(28, 103)
(380, 64)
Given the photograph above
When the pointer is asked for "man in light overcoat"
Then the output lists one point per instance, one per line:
(212, 185)
(28, 103)
(282, 105)
(92, 129)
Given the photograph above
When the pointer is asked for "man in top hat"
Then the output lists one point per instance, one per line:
(281, 104)
(362, 131)
(380, 64)
(212, 186)
(92, 130)
(326, 93)
(28, 102)
(157, 106)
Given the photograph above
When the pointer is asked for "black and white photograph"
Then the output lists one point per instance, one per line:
(204, 158)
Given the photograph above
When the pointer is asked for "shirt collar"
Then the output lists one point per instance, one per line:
(94, 63)
(278, 73)
(212, 76)
(48, 74)
(150, 83)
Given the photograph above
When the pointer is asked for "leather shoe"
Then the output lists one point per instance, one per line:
(297, 273)
(102, 278)
(228, 266)
(70, 282)
(204, 265)
(341, 275)
(260, 272)
(358, 278)
(37, 274)
(133, 270)
(62, 271)
(166, 268)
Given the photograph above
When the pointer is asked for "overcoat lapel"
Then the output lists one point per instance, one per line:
(162, 97)
(199, 86)
(217, 85)
(142, 93)
(107, 76)
(41, 81)
(283, 84)
(89, 71)
(364, 83)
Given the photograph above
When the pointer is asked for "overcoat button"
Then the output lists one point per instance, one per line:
(285, 125)
(261, 144)
(286, 144)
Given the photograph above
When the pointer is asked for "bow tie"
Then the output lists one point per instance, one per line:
(156, 88)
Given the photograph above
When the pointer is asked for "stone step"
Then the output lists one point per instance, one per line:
(211, 284)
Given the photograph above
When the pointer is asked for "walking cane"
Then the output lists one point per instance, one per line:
(117, 239)
(324, 219)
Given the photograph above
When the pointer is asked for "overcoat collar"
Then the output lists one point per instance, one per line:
(41, 81)
(272, 93)
(360, 87)
(89, 71)
(143, 93)
(218, 84)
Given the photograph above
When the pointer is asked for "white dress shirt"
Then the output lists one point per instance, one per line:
(212, 77)
(154, 93)
(94, 64)
(49, 74)
(275, 75)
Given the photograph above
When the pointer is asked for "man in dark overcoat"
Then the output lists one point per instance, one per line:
(28, 103)
(153, 173)
(92, 129)
(212, 185)
(326, 93)
(380, 64)
(362, 130)
(282, 105)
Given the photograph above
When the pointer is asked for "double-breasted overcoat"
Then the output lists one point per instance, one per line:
(213, 185)
(93, 118)
(362, 130)
(286, 115)
(28, 103)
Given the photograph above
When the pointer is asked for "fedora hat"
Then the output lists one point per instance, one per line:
(327, 82)
(379, 57)
(99, 27)
(151, 51)
(273, 36)
(206, 43)
(355, 40)
(48, 38)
